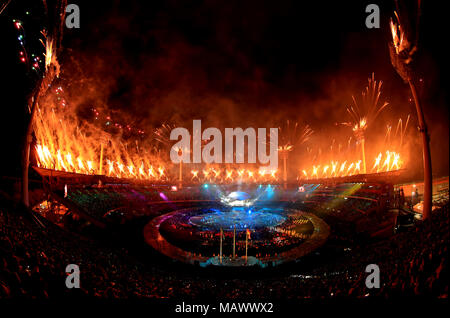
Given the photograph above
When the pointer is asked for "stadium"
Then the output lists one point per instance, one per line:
(158, 241)
(105, 195)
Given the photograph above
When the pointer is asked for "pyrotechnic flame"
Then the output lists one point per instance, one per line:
(314, 172)
(194, 174)
(398, 36)
(333, 168)
(65, 143)
(361, 125)
(60, 141)
(50, 53)
(392, 161)
(350, 168)
(377, 163)
(324, 172)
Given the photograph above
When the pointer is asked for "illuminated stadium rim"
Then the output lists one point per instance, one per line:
(94, 178)
(154, 238)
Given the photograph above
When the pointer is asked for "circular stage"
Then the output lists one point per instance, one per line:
(236, 218)
(259, 236)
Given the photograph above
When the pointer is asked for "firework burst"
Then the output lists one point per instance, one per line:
(363, 113)
(292, 135)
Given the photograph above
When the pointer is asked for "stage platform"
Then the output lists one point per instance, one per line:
(316, 238)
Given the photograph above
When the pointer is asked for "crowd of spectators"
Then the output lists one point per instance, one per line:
(34, 256)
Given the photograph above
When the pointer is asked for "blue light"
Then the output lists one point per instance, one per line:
(269, 192)
(205, 186)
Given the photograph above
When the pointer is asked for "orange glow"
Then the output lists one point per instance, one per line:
(391, 161)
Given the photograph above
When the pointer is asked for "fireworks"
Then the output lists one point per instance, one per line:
(402, 50)
(401, 130)
(216, 174)
(162, 134)
(364, 113)
(67, 144)
(292, 135)
(390, 161)
(399, 40)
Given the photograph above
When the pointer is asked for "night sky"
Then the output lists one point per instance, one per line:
(229, 63)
